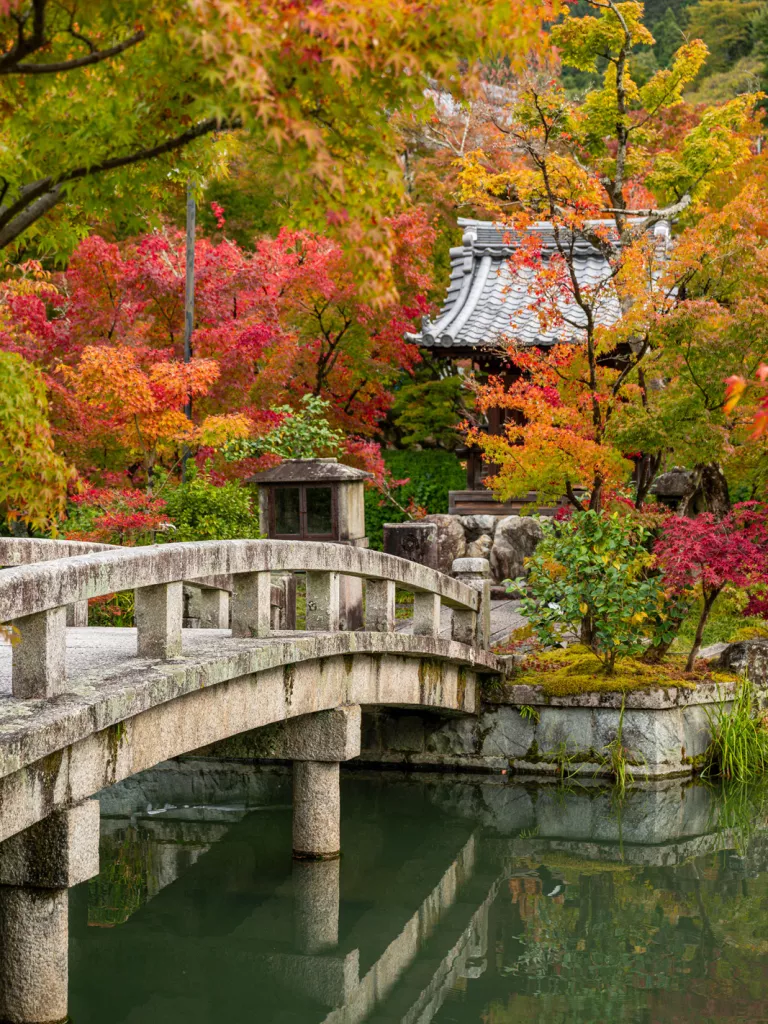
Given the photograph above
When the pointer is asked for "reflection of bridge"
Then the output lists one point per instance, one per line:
(86, 708)
(239, 927)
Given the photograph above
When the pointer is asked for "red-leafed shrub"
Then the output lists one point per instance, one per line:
(706, 554)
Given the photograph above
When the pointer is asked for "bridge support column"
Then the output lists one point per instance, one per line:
(316, 810)
(316, 743)
(37, 866)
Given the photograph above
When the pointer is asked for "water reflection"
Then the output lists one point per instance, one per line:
(457, 899)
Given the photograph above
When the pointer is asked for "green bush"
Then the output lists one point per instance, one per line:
(431, 474)
(203, 510)
(589, 577)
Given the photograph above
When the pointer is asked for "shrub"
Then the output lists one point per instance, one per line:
(113, 515)
(704, 555)
(589, 577)
(202, 510)
(429, 475)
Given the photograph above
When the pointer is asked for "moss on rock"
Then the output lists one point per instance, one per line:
(575, 670)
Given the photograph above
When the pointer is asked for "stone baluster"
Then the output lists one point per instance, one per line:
(379, 606)
(37, 867)
(252, 604)
(159, 611)
(426, 614)
(470, 627)
(323, 601)
(77, 614)
(39, 654)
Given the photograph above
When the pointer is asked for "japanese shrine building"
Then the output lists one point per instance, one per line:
(489, 303)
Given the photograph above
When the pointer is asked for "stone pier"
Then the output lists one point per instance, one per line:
(316, 743)
(37, 867)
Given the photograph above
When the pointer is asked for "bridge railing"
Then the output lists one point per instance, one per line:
(34, 597)
(206, 601)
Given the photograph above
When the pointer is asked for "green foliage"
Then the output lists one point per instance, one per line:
(302, 434)
(669, 37)
(33, 478)
(430, 412)
(727, 27)
(112, 609)
(430, 475)
(726, 623)
(203, 510)
(589, 576)
(738, 749)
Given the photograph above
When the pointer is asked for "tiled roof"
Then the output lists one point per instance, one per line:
(487, 302)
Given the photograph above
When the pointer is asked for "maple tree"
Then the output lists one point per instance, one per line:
(139, 411)
(606, 172)
(133, 93)
(285, 321)
(707, 553)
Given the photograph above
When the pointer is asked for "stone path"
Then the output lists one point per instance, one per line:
(89, 649)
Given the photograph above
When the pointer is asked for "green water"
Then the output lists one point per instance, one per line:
(457, 900)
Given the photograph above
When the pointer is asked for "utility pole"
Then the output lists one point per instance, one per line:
(189, 304)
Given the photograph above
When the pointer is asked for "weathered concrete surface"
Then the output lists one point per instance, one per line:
(122, 716)
(57, 853)
(323, 736)
(33, 955)
(40, 654)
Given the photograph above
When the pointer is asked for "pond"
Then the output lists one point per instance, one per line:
(457, 899)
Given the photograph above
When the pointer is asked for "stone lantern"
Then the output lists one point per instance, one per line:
(321, 500)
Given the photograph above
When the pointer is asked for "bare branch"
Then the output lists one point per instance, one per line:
(95, 57)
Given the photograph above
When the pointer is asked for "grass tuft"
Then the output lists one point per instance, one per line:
(738, 749)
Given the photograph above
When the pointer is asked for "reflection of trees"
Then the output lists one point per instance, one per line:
(121, 886)
(632, 944)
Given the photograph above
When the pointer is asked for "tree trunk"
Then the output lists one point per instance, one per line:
(707, 491)
(647, 469)
(709, 600)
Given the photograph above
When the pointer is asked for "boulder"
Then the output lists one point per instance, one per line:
(451, 543)
(747, 658)
(481, 547)
(476, 526)
(515, 539)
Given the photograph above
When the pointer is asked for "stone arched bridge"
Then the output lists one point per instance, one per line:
(83, 708)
